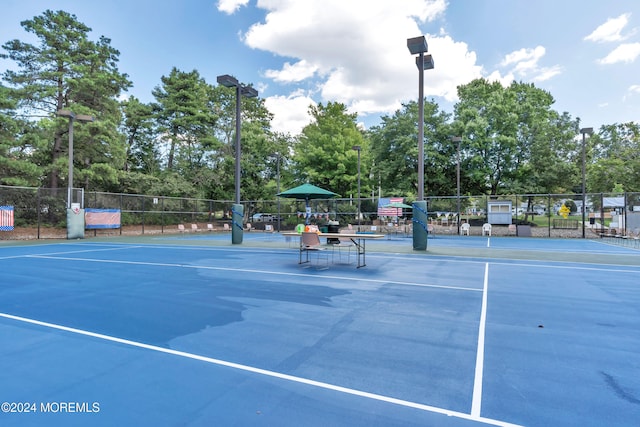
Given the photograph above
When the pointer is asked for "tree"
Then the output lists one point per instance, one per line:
(182, 115)
(324, 154)
(511, 134)
(138, 127)
(68, 71)
(18, 137)
(614, 158)
(394, 151)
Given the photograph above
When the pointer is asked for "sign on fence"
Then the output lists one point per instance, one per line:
(6, 218)
(101, 218)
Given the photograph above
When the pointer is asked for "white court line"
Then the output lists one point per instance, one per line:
(246, 270)
(265, 372)
(81, 251)
(578, 266)
(488, 242)
(477, 383)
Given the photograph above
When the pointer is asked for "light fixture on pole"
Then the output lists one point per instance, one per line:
(584, 132)
(249, 92)
(458, 139)
(418, 46)
(358, 148)
(72, 117)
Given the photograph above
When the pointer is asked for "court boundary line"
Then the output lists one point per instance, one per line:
(247, 270)
(264, 372)
(476, 404)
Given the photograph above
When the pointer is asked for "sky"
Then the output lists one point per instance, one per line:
(298, 53)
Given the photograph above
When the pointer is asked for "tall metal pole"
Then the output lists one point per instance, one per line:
(70, 184)
(584, 183)
(238, 153)
(421, 127)
(359, 199)
(458, 183)
(278, 186)
(584, 132)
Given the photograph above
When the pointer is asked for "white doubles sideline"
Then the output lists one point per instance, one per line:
(265, 372)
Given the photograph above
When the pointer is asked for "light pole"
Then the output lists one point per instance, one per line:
(584, 132)
(278, 185)
(418, 46)
(229, 81)
(458, 139)
(72, 117)
(358, 148)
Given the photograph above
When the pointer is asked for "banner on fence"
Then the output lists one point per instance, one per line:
(6, 218)
(101, 218)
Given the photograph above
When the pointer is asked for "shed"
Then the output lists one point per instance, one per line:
(499, 212)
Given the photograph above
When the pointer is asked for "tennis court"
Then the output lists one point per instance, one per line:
(190, 330)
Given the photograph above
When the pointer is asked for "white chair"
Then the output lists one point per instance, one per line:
(225, 227)
(181, 228)
(210, 227)
(194, 227)
(343, 243)
(464, 229)
(310, 241)
(268, 228)
(486, 229)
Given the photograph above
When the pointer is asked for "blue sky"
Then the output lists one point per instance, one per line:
(586, 53)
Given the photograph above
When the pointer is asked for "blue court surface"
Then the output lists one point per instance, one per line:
(191, 330)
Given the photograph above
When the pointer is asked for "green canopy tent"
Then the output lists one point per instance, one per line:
(307, 192)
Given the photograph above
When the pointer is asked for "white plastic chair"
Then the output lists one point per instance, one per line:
(464, 229)
(486, 229)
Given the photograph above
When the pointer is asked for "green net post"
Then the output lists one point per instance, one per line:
(420, 222)
(237, 224)
(75, 223)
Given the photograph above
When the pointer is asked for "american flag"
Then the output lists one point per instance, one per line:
(389, 211)
(6, 218)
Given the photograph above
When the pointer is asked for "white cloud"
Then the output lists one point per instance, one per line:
(524, 64)
(290, 112)
(524, 56)
(610, 30)
(631, 93)
(299, 71)
(231, 6)
(355, 51)
(626, 52)
(547, 73)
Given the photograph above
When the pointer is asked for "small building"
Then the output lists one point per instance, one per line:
(499, 212)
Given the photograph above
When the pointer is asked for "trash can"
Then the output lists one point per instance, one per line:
(333, 227)
(592, 221)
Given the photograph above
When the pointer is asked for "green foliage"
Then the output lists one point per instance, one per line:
(183, 144)
(394, 150)
(324, 155)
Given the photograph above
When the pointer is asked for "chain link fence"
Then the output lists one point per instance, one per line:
(40, 213)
